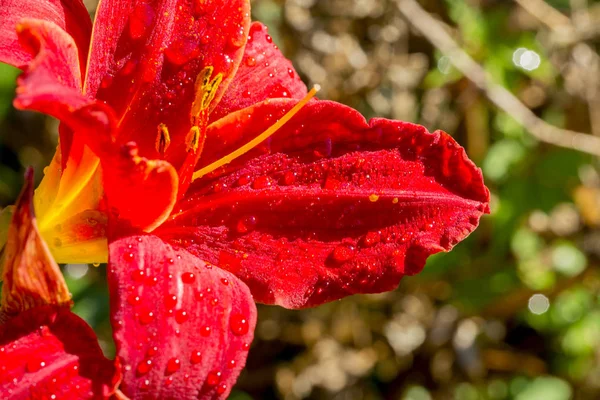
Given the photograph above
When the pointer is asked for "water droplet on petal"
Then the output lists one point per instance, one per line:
(128, 256)
(342, 253)
(182, 51)
(269, 38)
(238, 324)
(188, 277)
(144, 367)
(251, 61)
(146, 317)
(291, 72)
(140, 20)
(151, 351)
(213, 378)
(196, 357)
(35, 365)
(173, 366)
(222, 388)
(133, 299)
(138, 275)
(261, 182)
(170, 301)
(373, 198)
(246, 224)
(205, 331)
(231, 364)
(371, 239)
(181, 316)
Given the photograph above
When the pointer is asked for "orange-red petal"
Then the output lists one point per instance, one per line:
(182, 327)
(70, 16)
(31, 276)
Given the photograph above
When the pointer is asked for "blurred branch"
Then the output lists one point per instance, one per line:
(550, 16)
(562, 27)
(497, 94)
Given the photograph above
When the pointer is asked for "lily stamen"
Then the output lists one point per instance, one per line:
(259, 139)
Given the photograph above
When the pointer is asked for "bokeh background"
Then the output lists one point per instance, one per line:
(514, 311)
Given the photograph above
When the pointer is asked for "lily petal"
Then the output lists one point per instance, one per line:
(45, 349)
(30, 274)
(331, 206)
(49, 351)
(151, 65)
(182, 327)
(70, 16)
(263, 73)
(52, 85)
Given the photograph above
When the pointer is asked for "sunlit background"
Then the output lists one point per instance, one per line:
(511, 313)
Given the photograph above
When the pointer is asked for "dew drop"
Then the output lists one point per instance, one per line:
(151, 351)
(371, 238)
(146, 317)
(173, 365)
(128, 256)
(289, 178)
(133, 299)
(246, 224)
(213, 378)
(269, 38)
(222, 388)
(196, 357)
(188, 277)
(342, 253)
(231, 364)
(246, 346)
(140, 20)
(181, 316)
(205, 331)
(138, 275)
(261, 182)
(225, 281)
(246, 94)
(144, 367)
(106, 81)
(373, 198)
(214, 302)
(182, 51)
(291, 72)
(170, 301)
(35, 365)
(238, 324)
(128, 69)
(395, 200)
(251, 61)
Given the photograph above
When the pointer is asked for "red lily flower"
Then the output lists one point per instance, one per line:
(207, 157)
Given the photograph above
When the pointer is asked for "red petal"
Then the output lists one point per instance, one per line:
(182, 327)
(264, 73)
(146, 57)
(331, 206)
(69, 15)
(52, 81)
(142, 192)
(139, 192)
(49, 351)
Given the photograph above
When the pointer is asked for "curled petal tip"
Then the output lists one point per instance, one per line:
(31, 276)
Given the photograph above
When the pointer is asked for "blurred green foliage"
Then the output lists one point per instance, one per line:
(511, 313)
